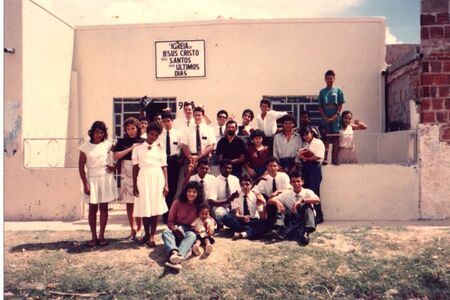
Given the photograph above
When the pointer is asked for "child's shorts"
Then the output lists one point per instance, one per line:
(202, 239)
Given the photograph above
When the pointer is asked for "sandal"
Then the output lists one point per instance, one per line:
(143, 240)
(151, 244)
(92, 243)
(103, 242)
(132, 235)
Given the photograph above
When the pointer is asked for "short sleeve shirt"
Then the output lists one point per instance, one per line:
(288, 198)
(146, 155)
(96, 154)
(189, 137)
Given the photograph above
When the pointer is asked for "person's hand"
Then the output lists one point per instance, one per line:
(167, 109)
(260, 201)
(296, 205)
(274, 194)
(246, 219)
(233, 196)
(87, 189)
(165, 190)
(135, 191)
(281, 208)
(232, 117)
(251, 172)
(110, 169)
(134, 145)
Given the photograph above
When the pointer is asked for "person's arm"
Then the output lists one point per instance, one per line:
(119, 154)
(310, 199)
(81, 164)
(172, 215)
(277, 203)
(206, 151)
(190, 169)
(186, 151)
(166, 185)
(214, 202)
(135, 175)
(358, 125)
(239, 160)
(207, 119)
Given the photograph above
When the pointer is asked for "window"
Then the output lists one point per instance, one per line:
(130, 107)
(297, 104)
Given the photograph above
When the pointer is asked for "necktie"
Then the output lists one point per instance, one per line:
(227, 189)
(246, 210)
(220, 131)
(297, 197)
(274, 186)
(188, 121)
(198, 141)
(201, 182)
(168, 144)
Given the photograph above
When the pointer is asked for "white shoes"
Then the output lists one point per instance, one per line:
(177, 267)
(176, 258)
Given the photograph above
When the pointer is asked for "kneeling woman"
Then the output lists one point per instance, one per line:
(150, 182)
(179, 239)
(99, 186)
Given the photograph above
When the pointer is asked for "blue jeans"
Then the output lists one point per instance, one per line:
(181, 245)
(255, 228)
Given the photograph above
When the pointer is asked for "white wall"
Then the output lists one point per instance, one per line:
(370, 192)
(36, 94)
(245, 60)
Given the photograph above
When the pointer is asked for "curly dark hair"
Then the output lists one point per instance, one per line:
(155, 127)
(132, 121)
(192, 185)
(98, 125)
(256, 133)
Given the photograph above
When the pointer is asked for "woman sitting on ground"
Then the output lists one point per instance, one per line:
(179, 238)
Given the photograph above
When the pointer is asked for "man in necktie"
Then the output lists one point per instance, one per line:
(297, 209)
(172, 147)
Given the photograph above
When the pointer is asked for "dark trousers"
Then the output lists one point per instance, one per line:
(173, 171)
(287, 163)
(312, 175)
(303, 218)
(268, 141)
(256, 228)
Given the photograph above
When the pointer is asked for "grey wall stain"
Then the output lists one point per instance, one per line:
(12, 127)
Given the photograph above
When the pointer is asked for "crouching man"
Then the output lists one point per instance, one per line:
(292, 211)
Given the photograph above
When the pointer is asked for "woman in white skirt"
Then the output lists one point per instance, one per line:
(122, 153)
(347, 154)
(99, 186)
(150, 182)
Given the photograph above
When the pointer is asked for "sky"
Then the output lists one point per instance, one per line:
(402, 16)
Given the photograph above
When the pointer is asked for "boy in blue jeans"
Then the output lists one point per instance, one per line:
(330, 106)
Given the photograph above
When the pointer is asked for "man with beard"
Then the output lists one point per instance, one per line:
(233, 148)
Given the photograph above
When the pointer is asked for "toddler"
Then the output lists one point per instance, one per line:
(203, 226)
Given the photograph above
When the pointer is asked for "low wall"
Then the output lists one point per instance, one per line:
(370, 192)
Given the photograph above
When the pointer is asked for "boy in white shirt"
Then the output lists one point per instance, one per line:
(267, 120)
(296, 209)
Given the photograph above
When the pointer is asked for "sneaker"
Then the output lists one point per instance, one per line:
(177, 267)
(196, 250)
(176, 258)
(324, 162)
(237, 236)
(208, 249)
(277, 235)
(303, 239)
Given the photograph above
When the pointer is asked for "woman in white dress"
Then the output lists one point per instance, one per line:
(99, 186)
(150, 182)
(122, 153)
(347, 152)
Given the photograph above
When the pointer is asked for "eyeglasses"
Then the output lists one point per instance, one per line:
(222, 117)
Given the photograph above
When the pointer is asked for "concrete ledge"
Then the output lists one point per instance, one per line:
(370, 192)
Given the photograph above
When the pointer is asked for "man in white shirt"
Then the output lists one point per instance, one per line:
(274, 182)
(267, 120)
(198, 141)
(296, 210)
(226, 186)
(207, 181)
(286, 144)
(169, 140)
(182, 123)
(219, 129)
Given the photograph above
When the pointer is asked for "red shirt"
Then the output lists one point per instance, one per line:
(181, 213)
(257, 158)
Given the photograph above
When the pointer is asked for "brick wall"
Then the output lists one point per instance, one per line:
(434, 90)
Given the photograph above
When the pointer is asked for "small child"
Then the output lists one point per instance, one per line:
(347, 152)
(203, 226)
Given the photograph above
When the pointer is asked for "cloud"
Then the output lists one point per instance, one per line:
(391, 38)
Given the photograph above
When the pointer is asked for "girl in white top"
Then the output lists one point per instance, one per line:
(98, 184)
(347, 152)
(150, 182)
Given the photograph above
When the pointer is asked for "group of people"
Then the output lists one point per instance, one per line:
(268, 185)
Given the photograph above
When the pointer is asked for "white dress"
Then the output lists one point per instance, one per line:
(347, 152)
(150, 180)
(102, 184)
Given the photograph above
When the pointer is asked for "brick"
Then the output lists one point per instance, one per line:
(433, 91)
(437, 104)
(447, 103)
(444, 133)
(436, 32)
(436, 66)
(427, 79)
(444, 91)
(442, 116)
(425, 104)
(434, 6)
(442, 18)
(447, 32)
(446, 67)
(426, 19)
(441, 79)
(427, 117)
(424, 33)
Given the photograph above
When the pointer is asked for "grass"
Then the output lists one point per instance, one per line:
(340, 263)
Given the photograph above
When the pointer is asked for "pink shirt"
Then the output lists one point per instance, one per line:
(181, 213)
